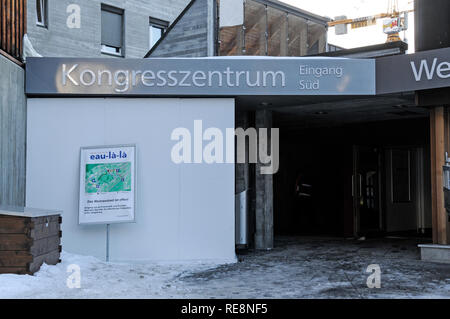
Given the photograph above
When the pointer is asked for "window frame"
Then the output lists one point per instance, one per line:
(107, 49)
(43, 8)
(157, 24)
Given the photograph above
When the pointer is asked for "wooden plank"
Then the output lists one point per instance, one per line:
(45, 230)
(15, 242)
(13, 27)
(16, 28)
(14, 226)
(24, 17)
(8, 26)
(3, 23)
(12, 216)
(43, 246)
(45, 219)
(14, 270)
(21, 26)
(50, 258)
(15, 258)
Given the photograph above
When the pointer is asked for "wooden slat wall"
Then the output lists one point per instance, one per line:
(12, 26)
(298, 36)
(231, 40)
(277, 32)
(255, 23)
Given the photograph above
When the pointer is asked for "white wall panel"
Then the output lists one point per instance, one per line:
(184, 211)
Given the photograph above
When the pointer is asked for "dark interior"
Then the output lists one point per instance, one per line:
(321, 160)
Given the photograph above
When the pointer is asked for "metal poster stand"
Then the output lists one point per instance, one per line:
(107, 242)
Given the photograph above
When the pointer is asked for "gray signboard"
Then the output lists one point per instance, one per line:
(412, 72)
(200, 76)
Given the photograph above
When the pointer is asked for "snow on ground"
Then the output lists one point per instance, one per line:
(296, 268)
(99, 279)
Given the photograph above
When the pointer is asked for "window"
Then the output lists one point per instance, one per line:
(156, 30)
(112, 30)
(41, 13)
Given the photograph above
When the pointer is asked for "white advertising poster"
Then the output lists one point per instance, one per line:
(107, 184)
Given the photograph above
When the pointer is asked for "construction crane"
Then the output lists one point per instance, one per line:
(394, 22)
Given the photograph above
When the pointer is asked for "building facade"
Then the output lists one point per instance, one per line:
(12, 103)
(383, 183)
(95, 28)
(353, 163)
(238, 27)
(60, 28)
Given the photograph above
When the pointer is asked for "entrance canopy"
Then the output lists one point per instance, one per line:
(287, 77)
(312, 90)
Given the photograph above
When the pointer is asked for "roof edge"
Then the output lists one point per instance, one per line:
(400, 45)
(295, 10)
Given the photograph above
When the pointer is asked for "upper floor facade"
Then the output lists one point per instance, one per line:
(84, 28)
(122, 28)
(136, 28)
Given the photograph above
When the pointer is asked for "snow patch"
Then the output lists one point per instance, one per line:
(99, 279)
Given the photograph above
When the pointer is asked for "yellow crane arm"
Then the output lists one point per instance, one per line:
(348, 21)
(377, 16)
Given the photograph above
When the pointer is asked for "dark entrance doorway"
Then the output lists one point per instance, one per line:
(362, 180)
(366, 190)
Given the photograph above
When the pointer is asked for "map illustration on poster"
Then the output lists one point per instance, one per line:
(107, 184)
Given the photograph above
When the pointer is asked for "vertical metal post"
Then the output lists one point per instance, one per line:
(107, 242)
(266, 33)
(243, 49)
(287, 33)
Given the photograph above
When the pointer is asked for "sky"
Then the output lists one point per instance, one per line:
(355, 9)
